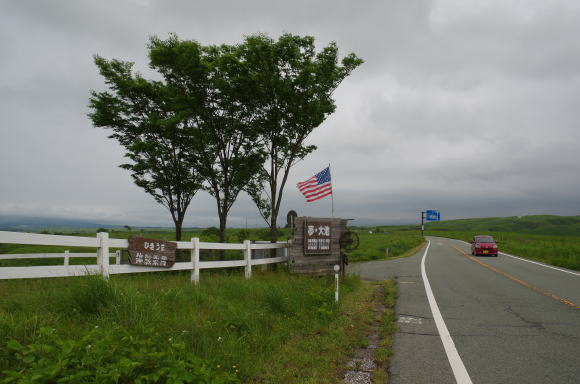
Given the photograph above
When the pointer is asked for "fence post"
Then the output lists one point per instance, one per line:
(118, 257)
(195, 260)
(66, 256)
(248, 258)
(103, 253)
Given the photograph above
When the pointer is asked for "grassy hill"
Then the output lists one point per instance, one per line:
(538, 225)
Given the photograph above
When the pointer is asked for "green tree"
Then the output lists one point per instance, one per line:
(220, 111)
(292, 87)
(144, 117)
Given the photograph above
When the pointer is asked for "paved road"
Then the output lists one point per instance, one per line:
(510, 321)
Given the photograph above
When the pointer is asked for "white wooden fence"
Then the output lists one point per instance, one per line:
(103, 243)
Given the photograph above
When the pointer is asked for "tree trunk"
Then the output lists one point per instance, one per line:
(274, 226)
(223, 218)
(273, 234)
(178, 225)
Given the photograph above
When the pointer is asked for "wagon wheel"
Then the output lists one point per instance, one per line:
(349, 241)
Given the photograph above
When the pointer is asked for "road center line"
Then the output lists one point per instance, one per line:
(459, 371)
(522, 282)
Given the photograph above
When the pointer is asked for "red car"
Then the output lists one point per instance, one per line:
(483, 245)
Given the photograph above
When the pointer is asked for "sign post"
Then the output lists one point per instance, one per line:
(336, 269)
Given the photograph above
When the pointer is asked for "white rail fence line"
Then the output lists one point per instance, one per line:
(103, 243)
(66, 256)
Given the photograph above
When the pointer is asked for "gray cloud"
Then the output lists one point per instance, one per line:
(468, 107)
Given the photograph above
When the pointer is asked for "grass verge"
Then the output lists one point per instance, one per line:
(272, 328)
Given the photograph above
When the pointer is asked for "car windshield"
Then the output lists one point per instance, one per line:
(484, 239)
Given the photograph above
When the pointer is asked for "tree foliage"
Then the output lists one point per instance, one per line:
(216, 81)
(224, 118)
(293, 86)
(142, 115)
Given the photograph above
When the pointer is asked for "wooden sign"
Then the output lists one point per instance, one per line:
(317, 236)
(151, 252)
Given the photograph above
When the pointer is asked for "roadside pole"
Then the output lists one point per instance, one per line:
(336, 287)
(422, 223)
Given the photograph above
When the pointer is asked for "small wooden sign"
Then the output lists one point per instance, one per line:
(317, 237)
(151, 252)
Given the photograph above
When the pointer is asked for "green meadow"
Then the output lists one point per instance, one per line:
(374, 242)
(159, 328)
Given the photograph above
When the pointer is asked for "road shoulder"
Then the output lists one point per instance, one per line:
(418, 354)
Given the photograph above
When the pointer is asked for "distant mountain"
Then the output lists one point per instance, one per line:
(537, 224)
(31, 223)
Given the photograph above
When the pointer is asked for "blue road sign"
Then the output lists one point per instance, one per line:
(432, 215)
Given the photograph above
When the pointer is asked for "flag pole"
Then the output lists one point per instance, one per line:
(332, 194)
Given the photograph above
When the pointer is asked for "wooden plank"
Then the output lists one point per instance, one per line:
(270, 260)
(47, 271)
(40, 239)
(221, 246)
(222, 264)
(47, 255)
(184, 244)
(127, 268)
(118, 243)
(269, 246)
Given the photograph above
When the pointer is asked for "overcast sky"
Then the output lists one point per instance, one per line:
(469, 107)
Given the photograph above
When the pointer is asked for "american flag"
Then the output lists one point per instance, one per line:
(317, 187)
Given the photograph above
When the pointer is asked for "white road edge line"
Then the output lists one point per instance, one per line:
(459, 371)
(533, 262)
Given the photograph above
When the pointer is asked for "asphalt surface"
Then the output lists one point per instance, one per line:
(511, 321)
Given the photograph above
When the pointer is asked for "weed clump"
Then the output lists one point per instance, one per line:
(111, 356)
(86, 296)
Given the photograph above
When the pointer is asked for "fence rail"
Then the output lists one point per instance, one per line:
(103, 243)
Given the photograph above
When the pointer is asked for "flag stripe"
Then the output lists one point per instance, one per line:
(318, 191)
(307, 183)
(319, 197)
(311, 189)
(316, 187)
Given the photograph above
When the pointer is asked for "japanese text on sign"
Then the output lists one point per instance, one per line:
(151, 252)
(317, 239)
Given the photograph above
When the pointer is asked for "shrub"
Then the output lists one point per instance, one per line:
(111, 356)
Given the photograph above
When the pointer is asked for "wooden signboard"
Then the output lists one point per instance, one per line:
(315, 248)
(151, 252)
(317, 237)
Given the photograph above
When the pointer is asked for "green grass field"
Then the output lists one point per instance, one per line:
(563, 251)
(274, 328)
(156, 327)
(375, 241)
(550, 225)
